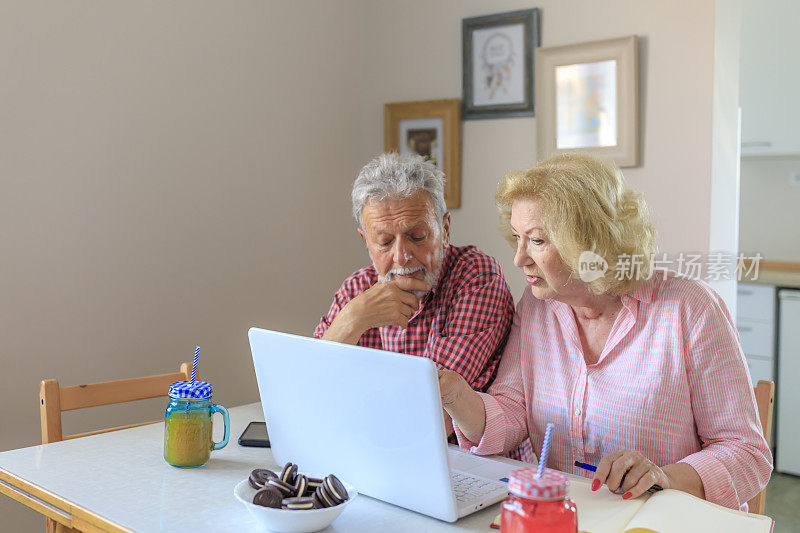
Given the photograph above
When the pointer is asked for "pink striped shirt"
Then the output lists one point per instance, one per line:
(671, 382)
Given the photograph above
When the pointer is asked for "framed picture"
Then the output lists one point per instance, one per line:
(498, 64)
(588, 100)
(431, 128)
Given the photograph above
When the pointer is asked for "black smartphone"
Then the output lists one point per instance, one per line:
(255, 434)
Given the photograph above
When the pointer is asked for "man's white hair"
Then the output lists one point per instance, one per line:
(393, 175)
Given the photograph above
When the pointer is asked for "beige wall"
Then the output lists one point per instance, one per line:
(770, 208)
(414, 53)
(170, 175)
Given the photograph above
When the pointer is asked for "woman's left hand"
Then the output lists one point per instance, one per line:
(630, 471)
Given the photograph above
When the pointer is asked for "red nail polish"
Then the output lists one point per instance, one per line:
(595, 484)
(626, 495)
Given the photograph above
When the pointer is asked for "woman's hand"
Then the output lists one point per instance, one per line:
(463, 404)
(451, 387)
(630, 471)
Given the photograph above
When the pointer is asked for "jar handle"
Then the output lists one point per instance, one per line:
(219, 445)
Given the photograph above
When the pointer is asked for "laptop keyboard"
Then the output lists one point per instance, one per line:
(468, 488)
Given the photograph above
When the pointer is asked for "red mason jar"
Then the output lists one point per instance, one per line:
(538, 504)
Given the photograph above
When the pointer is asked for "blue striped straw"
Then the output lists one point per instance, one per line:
(194, 364)
(194, 370)
(545, 451)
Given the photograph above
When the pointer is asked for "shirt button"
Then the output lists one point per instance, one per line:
(577, 412)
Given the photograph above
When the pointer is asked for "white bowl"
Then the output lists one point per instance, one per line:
(286, 521)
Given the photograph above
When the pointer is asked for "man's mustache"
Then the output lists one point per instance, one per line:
(405, 271)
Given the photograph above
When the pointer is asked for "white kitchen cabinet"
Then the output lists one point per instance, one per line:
(755, 320)
(787, 453)
(760, 369)
(769, 77)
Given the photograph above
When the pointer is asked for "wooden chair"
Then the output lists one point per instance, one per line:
(54, 399)
(765, 399)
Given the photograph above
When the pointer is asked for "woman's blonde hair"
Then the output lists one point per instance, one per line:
(587, 207)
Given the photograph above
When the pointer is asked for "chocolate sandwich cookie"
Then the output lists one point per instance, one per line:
(335, 488)
(286, 489)
(298, 504)
(268, 497)
(313, 483)
(325, 497)
(319, 503)
(301, 485)
(260, 476)
(289, 473)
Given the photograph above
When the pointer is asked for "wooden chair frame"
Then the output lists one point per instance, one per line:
(54, 399)
(765, 400)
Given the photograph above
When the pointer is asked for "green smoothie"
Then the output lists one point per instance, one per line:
(187, 439)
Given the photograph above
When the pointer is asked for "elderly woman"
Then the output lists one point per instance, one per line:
(640, 370)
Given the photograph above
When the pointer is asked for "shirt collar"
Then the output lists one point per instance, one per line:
(642, 292)
(447, 263)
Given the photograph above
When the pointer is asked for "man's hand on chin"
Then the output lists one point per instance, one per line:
(387, 303)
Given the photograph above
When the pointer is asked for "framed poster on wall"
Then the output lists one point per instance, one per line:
(430, 128)
(588, 100)
(498, 69)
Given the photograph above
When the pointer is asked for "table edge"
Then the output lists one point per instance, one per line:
(55, 507)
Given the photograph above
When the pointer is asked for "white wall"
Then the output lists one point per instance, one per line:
(724, 223)
(414, 53)
(171, 173)
(770, 208)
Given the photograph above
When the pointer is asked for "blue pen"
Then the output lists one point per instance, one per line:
(592, 468)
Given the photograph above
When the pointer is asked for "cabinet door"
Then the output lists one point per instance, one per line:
(769, 76)
(755, 302)
(757, 338)
(759, 369)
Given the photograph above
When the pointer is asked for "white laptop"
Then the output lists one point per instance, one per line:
(372, 418)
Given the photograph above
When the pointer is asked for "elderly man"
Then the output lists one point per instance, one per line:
(421, 295)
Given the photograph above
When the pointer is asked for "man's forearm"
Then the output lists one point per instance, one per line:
(343, 329)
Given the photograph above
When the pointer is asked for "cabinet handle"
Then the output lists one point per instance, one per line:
(752, 144)
(745, 292)
(745, 328)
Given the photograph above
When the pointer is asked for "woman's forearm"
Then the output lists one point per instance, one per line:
(683, 477)
(468, 412)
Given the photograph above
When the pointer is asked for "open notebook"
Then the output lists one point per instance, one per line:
(668, 511)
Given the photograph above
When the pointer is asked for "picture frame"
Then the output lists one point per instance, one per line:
(431, 128)
(588, 100)
(498, 67)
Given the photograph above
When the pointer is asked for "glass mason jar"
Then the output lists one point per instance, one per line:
(188, 424)
(538, 504)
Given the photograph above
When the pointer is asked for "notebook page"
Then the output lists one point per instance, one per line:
(601, 511)
(673, 511)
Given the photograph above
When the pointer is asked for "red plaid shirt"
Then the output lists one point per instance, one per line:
(462, 323)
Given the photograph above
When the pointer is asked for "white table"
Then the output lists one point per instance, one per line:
(119, 482)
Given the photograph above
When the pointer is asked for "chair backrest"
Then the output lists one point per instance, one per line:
(54, 399)
(765, 399)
